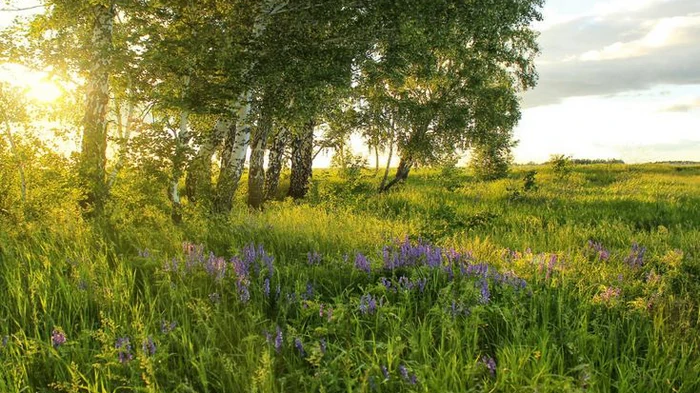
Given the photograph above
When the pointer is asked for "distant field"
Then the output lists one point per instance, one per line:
(586, 282)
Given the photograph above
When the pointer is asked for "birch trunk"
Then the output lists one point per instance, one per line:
(233, 160)
(94, 140)
(388, 166)
(124, 132)
(302, 160)
(275, 161)
(402, 171)
(181, 139)
(256, 171)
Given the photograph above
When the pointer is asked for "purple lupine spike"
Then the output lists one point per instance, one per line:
(243, 291)
(404, 372)
(167, 327)
(123, 346)
(368, 305)
(268, 336)
(385, 282)
(322, 345)
(266, 287)
(490, 364)
(361, 263)
(58, 338)
(278, 340)
(485, 293)
(149, 346)
(413, 380)
(299, 346)
(309, 291)
(385, 372)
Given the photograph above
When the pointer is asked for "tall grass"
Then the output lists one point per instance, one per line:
(492, 288)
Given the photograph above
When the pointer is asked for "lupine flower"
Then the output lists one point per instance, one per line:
(278, 340)
(309, 291)
(243, 291)
(314, 258)
(385, 371)
(413, 380)
(216, 267)
(4, 341)
(361, 263)
(600, 251)
(368, 305)
(322, 345)
(123, 345)
(268, 336)
(608, 295)
(144, 253)
(320, 310)
(167, 327)
(485, 293)
(636, 257)
(385, 282)
(58, 338)
(404, 372)
(299, 346)
(490, 364)
(148, 346)
(266, 287)
(550, 266)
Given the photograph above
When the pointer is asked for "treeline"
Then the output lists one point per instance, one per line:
(173, 85)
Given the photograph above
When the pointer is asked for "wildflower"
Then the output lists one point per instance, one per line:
(485, 293)
(385, 282)
(361, 263)
(368, 305)
(299, 346)
(490, 364)
(385, 371)
(314, 258)
(4, 341)
(404, 372)
(309, 291)
(550, 266)
(268, 336)
(123, 346)
(243, 291)
(216, 267)
(144, 253)
(413, 380)
(601, 253)
(636, 257)
(167, 327)
(58, 338)
(608, 295)
(148, 346)
(278, 340)
(329, 314)
(320, 310)
(266, 287)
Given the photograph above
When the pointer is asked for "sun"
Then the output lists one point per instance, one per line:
(44, 91)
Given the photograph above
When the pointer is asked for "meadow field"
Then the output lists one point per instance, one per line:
(581, 281)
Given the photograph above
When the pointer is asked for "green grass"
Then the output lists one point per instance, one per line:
(580, 324)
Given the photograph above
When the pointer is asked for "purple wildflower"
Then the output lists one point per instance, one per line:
(404, 372)
(278, 340)
(216, 267)
(368, 305)
(309, 291)
(485, 293)
(268, 336)
(299, 346)
(314, 258)
(600, 251)
(266, 287)
(385, 282)
(149, 346)
(413, 380)
(385, 371)
(167, 327)
(123, 346)
(490, 364)
(58, 338)
(243, 291)
(361, 263)
(144, 253)
(636, 257)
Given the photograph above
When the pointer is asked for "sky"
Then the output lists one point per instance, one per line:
(618, 79)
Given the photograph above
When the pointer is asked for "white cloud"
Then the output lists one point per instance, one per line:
(664, 32)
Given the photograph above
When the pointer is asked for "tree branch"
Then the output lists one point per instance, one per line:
(22, 9)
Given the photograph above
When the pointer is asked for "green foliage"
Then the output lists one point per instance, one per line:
(561, 166)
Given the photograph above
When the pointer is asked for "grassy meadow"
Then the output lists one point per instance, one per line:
(586, 282)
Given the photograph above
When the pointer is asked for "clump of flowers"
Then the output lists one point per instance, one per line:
(368, 305)
(58, 338)
(278, 340)
(598, 250)
(167, 327)
(490, 364)
(123, 346)
(635, 258)
(149, 346)
(361, 263)
(299, 346)
(314, 258)
(608, 295)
